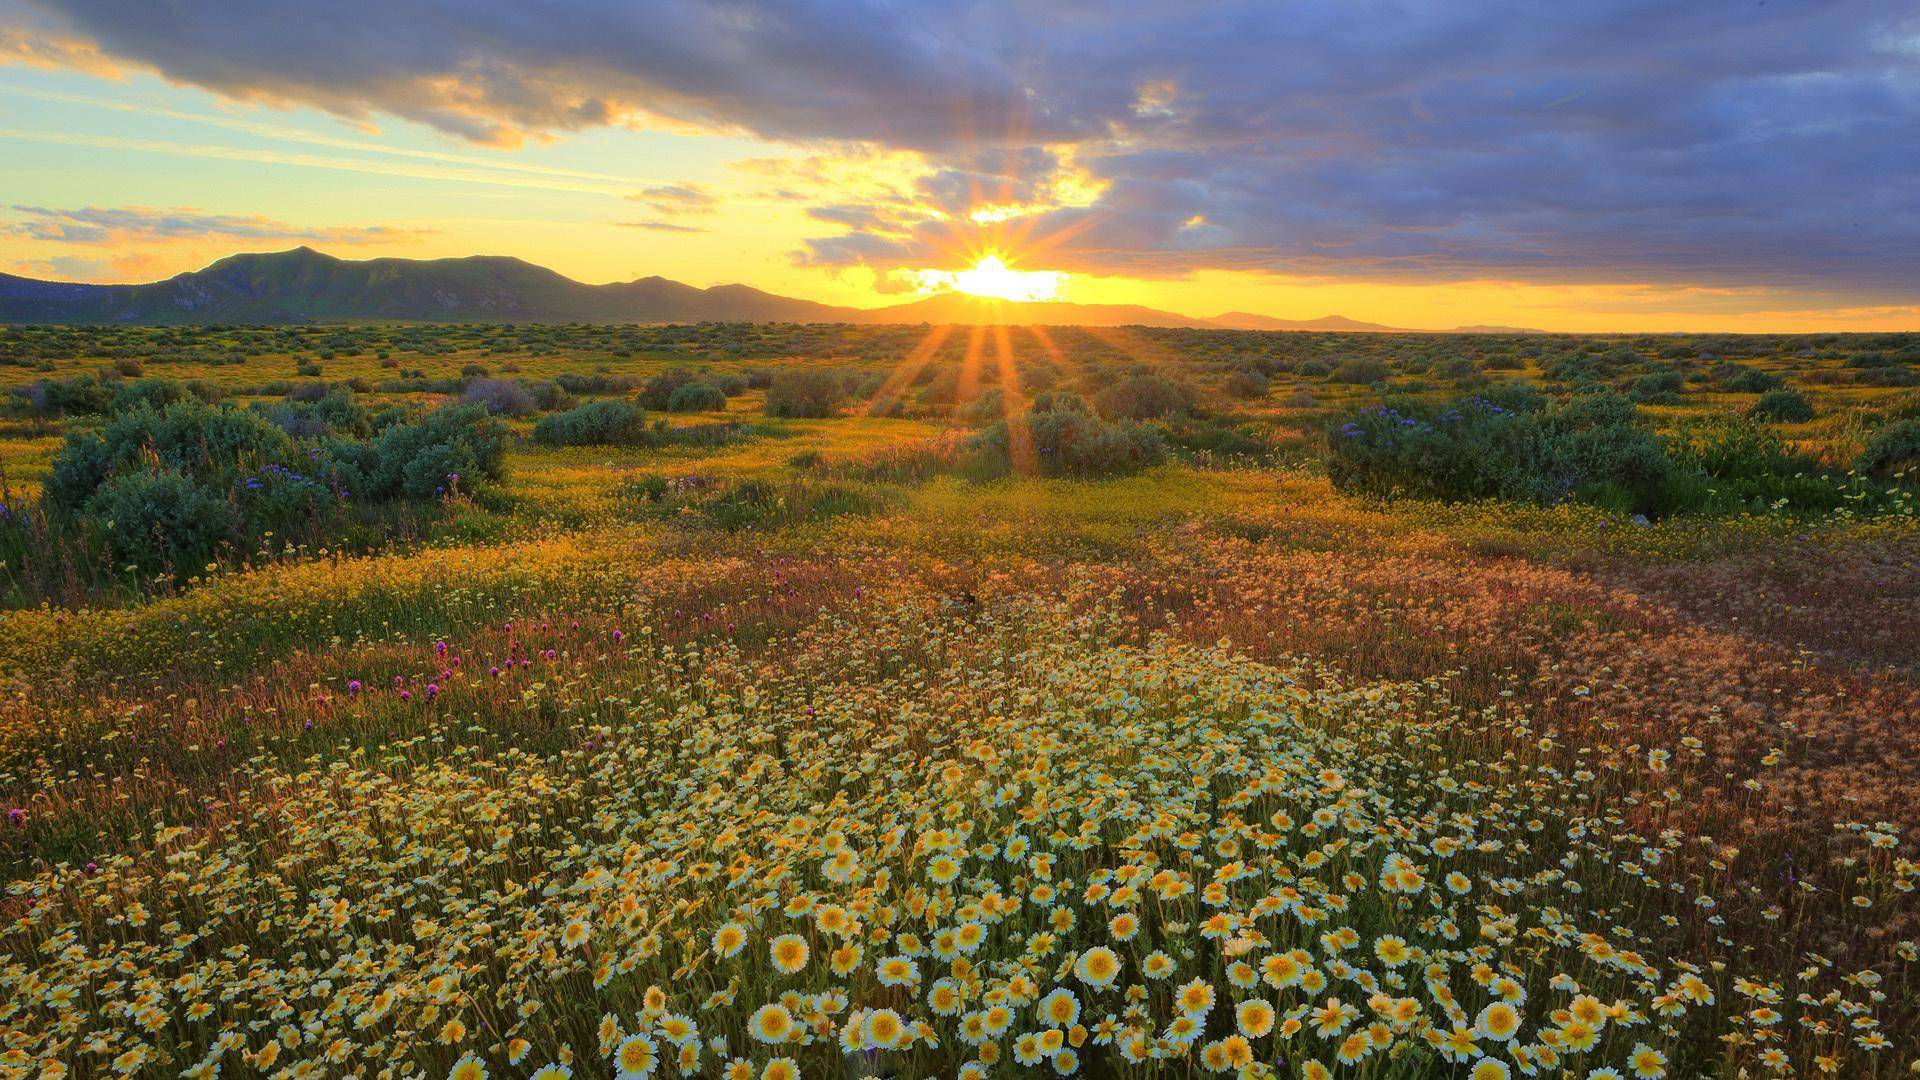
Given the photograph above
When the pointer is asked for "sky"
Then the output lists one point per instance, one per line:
(1641, 165)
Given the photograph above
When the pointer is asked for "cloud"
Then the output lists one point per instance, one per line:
(856, 249)
(23, 45)
(68, 267)
(678, 199)
(660, 226)
(1707, 142)
(130, 266)
(142, 224)
(856, 216)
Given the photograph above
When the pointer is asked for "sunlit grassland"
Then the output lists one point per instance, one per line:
(1392, 788)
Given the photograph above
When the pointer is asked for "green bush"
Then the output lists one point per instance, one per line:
(1887, 376)
(1065, 442)
(501, 397)
(1657, 388)
(659, 390)
(1360, 371)
(1143, 397)
(211, 444)
(1783, 403)
(1894, 448)
(1593, 448)
(803, 392)
(1741, 379)
(574, 383)
(170, 487)
(152, 393)
(82, 395)
(1522, 397)
(1245, 383)
(1058, 401)
(697, 397)
(161, 520)
(597, 423)
(986, 407)
(456, 444)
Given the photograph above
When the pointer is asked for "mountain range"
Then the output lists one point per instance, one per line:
(305, 286)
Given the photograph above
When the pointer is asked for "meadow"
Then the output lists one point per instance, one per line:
(775, 701)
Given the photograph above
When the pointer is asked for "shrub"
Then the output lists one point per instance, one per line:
(81, 395)
(161, 520)
(1782, 403)
(1058, 401)
(1522, 397)
(939, 385)
(1887, 376)
(803, 392)
(501, 397)
(986, 407)
(150, 393)
(1593, 448)
(1742, 463)
(1741, 379)
(697, 397)
(1894, 448)
(548, 395)
(454, 444)
(1143, 397)
(1360, 371)
(1596, 448)
(597, 423)
(1657, 387)
(1245, 383)
(334, 412)
(574, 383)
(659, 390)
(210, 444)
(1069, 443)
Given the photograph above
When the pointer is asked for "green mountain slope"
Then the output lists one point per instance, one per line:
(306, 286)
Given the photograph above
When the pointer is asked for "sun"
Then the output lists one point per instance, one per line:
(990, 278)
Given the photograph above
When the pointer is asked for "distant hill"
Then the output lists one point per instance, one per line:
(1242, 320)
(306, 286)
(303, 285)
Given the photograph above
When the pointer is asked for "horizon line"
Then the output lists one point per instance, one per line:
(1459, 328)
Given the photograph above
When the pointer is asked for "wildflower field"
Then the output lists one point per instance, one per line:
(913, 702)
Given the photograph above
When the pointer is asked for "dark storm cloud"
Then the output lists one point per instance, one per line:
(1709, 142)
